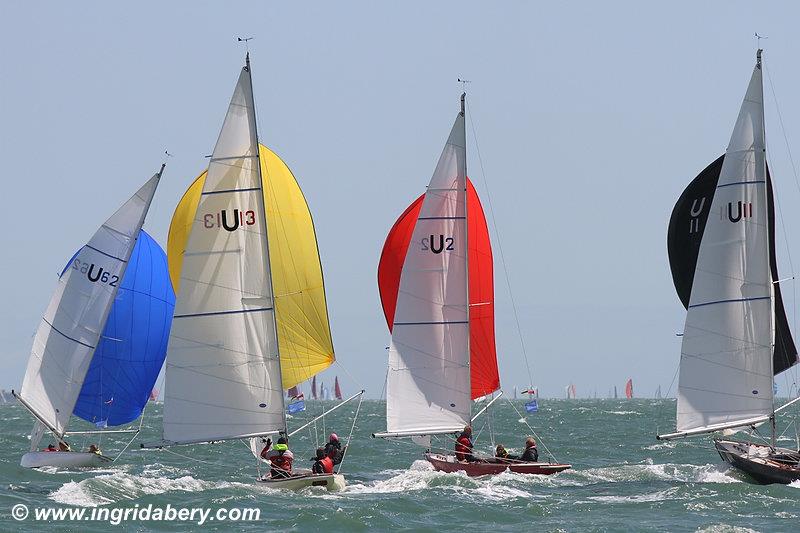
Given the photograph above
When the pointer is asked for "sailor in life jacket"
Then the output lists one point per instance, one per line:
(464, 445)
(323, 464)
(334, 450)
(279, 457)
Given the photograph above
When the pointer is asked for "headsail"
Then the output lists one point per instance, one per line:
(686, 228)
(428, 384)
(484, 376)
(131, 351)
(71, 327)
(726, 356)
(304, 334)
(629, 389)
(223, 372)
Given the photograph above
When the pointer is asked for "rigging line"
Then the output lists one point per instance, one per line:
(797, 184)
(500, 248)
(350, 435)
(349, 375)
(525, 420)
(783, 129)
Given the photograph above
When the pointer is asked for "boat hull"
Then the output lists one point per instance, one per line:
(64, 460)
(332, 482)
(760, 462)
(448, 463)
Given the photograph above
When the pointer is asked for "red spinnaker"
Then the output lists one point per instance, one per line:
(629, 389)
(483, 355)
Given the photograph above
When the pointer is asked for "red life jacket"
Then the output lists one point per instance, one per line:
(282, 461)
(463, 448)
(327, 465)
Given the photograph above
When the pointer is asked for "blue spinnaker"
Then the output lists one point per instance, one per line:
(131, 351)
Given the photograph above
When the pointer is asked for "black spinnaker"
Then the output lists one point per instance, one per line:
(686, 227)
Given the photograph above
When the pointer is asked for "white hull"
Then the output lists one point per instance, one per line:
(64, 459)
(332, 482)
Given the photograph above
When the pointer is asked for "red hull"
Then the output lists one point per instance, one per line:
(444, 463)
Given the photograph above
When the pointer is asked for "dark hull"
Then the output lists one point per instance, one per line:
(760, 462)
(444, 463)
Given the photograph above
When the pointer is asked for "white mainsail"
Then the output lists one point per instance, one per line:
(223, 376)
(726, 356)
(428, 384)
(75, 318)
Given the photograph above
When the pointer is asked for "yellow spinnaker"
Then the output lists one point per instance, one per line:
(304, 334)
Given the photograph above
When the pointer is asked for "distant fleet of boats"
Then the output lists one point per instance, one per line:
(235, 311)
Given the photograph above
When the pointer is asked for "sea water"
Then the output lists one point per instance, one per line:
(622, 479)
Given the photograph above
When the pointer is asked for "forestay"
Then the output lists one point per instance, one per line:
(223, 375)
(428, 384)
(726, 356)
(72, 325)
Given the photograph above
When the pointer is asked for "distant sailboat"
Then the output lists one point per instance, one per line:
(571, 391)
(337, 390)
(251, 318)
(629, 389)
(658, 393)
(437, 290)
(615, 393)
(314, 388)
(724, 267)
(79, 349)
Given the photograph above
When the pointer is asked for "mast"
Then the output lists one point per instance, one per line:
(466, 243)
(266, 236)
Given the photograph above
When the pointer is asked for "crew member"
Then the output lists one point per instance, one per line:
(322, 463)
(279, 457)
(531, 453)
(334, 450)
(464, 445)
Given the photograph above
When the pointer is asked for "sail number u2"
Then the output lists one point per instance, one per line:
(240, 219)
(444, 244)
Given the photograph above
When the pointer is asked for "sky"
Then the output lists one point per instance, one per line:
(590, 118)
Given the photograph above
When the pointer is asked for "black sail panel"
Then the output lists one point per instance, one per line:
(785, 354)
(686, 226)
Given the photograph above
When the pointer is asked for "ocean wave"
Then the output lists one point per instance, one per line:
(725, 528)
(105, 489)
(648, 472)
(422, 476)
(660, 496)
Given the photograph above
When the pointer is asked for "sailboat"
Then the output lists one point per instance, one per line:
(570, 391)
(629, 389)
(251, 319)
(658, 393)
(337, 391)
(721, 242)
(97, 352)
(314, 388)
(437, 291)
(615, 393)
